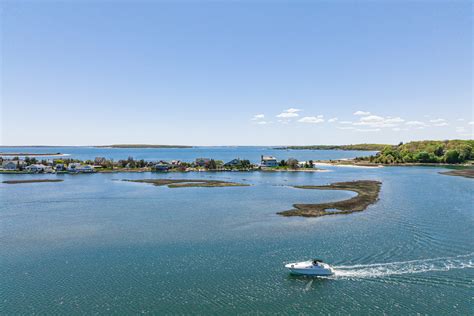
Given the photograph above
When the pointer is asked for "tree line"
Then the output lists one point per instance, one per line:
(448, 151)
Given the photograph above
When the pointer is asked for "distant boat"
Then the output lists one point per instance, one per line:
(312, 267)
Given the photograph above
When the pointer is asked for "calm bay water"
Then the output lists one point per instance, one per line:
(94, 245)
(225, 153)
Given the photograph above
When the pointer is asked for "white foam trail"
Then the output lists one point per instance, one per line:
(404, 267)
(308, 286)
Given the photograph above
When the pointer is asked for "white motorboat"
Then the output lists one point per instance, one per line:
(312, 267)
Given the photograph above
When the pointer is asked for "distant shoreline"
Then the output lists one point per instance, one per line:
(143, 146)
(355, 147)
(32, 154)
(368, 164)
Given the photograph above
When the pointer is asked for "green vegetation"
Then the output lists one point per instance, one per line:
(368, 192)
(292, 164)
(367, 147)
(448, 151)
(189, 183)
(31, 181)
(466, 173)
(239, 165)
(142, 146)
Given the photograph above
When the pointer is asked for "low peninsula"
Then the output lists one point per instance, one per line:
(360, 147)
(466, 173)
(367, 194)
(189, 183)
(31, 181)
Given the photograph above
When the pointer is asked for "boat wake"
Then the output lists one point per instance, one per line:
(377, 270)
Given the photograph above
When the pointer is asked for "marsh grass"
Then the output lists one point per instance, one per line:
(367, 194)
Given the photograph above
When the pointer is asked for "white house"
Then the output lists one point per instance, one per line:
(77, 167)
(10, 165)
(38, 168)
(59, 167)
(48, 169)
(73, 167)
(268, 161)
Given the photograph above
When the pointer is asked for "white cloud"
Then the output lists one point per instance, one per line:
(439, 120)
(292, 110)
(394, 120)
(376, 121)
(471, 123)
(262, 123)
(257, 117)
(371, 118)
(416, 123)
(441, 124)
(368, 130)
(460, 120)
(345, 122)
(332, 120)
(311, 119)
(289, 113)
(345, 127)
(361, 113)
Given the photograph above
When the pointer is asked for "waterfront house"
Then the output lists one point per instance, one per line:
(202, 162)
(87, 169)
(77, 167)
(73, 167)
(233, 163)
(37, 168)
(10, 165)
(268, 161)
(100, 161)
(48, 169)
(59, 167)
(160, 167)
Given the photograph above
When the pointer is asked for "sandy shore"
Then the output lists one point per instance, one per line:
(346, 164)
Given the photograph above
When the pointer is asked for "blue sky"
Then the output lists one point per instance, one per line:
(235, 73)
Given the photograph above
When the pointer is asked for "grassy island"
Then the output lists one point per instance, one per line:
(31, 181)
(466, 173)
(367, 194)
(189, 183)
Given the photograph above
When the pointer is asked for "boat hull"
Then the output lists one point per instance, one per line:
(308, 268)
(321, 272)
